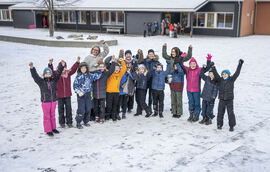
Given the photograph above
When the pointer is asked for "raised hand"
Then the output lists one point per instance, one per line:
(241, 61)
(63, 63)
(190, 46)
(31, 65)
(165, 44)
(51, 61)
(78, 59)
(209, 57)
(102, 41)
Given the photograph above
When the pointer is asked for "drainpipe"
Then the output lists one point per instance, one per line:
(238, 27)
(255, 18)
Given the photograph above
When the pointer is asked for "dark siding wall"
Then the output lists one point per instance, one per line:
(220, 7)
(22, 18)
(135, 21)
(4, 6)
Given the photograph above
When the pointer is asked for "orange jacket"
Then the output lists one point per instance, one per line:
(113, 82)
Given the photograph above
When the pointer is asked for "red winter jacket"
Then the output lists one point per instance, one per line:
(64, 83)
(171, 27)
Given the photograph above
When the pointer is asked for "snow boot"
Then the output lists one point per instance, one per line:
(79, 126)
(203, 120)
(118, 116)
(231, 129)
(195, 118)
(55, 131)
(114, 117)
(155, 114)
(161, 115)
(191, 114)
(208, 121)
(87, 125)
(50, 134)
(70, 125)
(62, 125)
(219, 127)
(123, 115)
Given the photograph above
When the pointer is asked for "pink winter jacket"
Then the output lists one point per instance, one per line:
(193, 76)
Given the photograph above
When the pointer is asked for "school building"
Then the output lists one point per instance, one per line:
(201, 17)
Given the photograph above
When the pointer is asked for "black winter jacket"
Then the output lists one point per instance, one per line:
(100, 85)
(48, 89)
(226, 87)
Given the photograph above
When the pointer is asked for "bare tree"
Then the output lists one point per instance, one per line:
(50, 4)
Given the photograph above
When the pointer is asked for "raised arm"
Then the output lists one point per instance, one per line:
(75, 66)
(34, 74)
(217, 76)
(58, 73)
(202, 75)
(164, 52)
(238, 70)
(105, 51)
(168, 68)
(50, 65)
(183, 67)
(124, 67)
(189, 54)
(179, 69)
(95, 76)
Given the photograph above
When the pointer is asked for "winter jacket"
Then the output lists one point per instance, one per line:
(226, 87)
(84, 82)
(142, 81)
(92, 60)
(113, 82)
(64, 83)
(158, 78)
(171, 27)
(124, 80)
(193, 78)
(150, 64)
(100, 85)
(210, 89)
(177, 79)
(172, 59)
(48, 86)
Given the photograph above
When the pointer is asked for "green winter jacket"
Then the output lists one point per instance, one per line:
(167, 57)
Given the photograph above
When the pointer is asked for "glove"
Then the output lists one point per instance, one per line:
(80, 93)
(212, 101)
(241, 61)
(183, 54)
(209, 57)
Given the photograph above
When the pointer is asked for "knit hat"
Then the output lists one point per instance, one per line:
(128, 52)
(141, 66)
(151, 51)
(226, 71)
(47, 70)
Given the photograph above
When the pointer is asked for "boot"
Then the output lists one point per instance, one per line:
(161, 115)
(70, 125)
(79, 126)
(62, 125)
(174, 116)
(50, 134)
(137, 114)
(191, 114)
(208, 122)
(123, 115)
(101, 121)
(129, 110)
(114, 117)
(118, 116)
(219, 127)
(148, 114)
(231, 129)
(195, 118)
(155, 114)
(55, 131)
(87, 125)
(97, 119)
(203, 120)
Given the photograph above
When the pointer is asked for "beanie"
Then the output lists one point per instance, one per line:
(47, 70)
(128, 52)
(151, 51)
(226, 71)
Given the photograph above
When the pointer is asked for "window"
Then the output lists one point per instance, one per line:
(195, 19)
(72, 17)
(94, 17)
(113, 17)
(201, 19)
(185, 19)
(211, 20)
(220, 20)
(120, 16)
(229, 21)
(59, 16)
(65, 14)
(5, 15)
(82, 17)
(105, 16)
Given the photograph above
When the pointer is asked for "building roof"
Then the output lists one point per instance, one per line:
(13, 1)
(120, 5)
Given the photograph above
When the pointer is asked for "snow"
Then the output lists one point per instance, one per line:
(137, 143)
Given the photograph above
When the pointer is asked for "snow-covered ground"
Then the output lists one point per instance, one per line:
(137, 143)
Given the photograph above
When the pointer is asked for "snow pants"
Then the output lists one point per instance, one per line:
(64, 104)
(85, 105)
(158, 101)
(207, 109)
(49, 116)
(222, 106)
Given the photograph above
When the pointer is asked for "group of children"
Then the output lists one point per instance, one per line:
(106, 87)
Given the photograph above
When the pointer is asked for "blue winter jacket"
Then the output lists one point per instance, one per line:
(84, 82)
(123, 80)
(178, 75)
(210, 89)
(141, 83)
(150, 64)
(158, 78)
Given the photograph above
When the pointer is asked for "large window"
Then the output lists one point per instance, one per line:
(185, 19)
(72, 17)
(5, 15)
(65, 16)
(82, 17)
(112, 18)
(213, 20)
(94, 17)
(60, 17)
